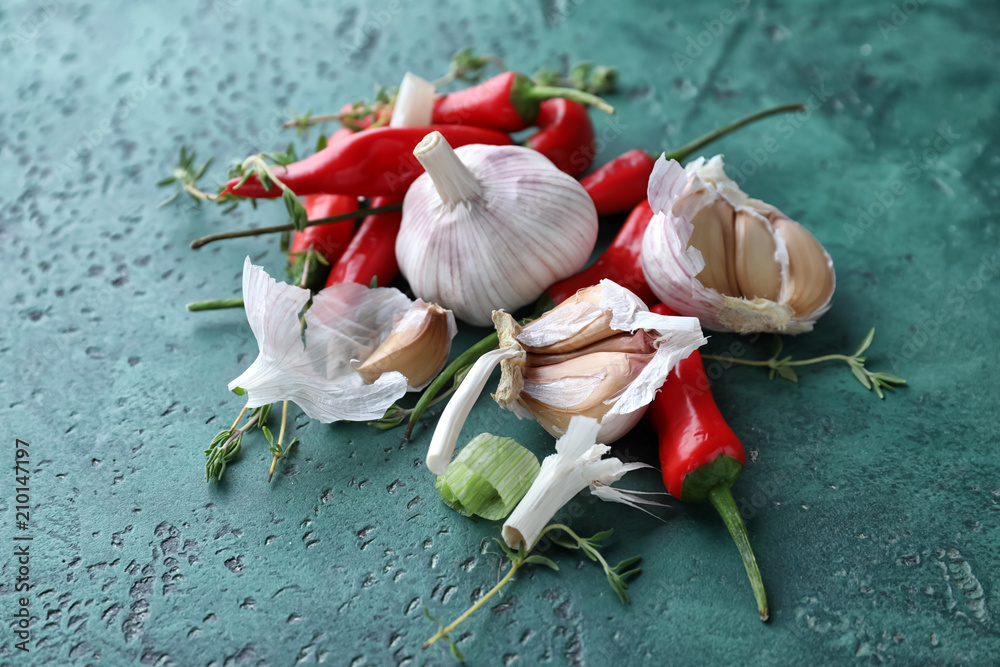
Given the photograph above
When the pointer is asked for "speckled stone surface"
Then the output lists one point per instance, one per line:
(875, 522)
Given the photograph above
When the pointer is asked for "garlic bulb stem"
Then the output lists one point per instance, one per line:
(454, 415)
(452, 179)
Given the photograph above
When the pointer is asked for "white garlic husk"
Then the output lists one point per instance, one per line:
(346, 324)
(491, 227)
(736, 263)
(596, 321)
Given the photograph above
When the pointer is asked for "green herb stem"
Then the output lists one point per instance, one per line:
(462, 360)
(260, 231)
(216, 304)
(443, 632)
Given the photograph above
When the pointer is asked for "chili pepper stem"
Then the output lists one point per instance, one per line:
(260, 231)
(683, 152)
(443, 632)
(722, 500)
(541, 93)
(215, 304)
(462, 360)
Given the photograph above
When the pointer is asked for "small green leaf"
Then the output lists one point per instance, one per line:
(166, 181)
(867, 342)
(239, 391)
(541, 560)
(601, 536)
(889, 378)
(862, 377)
(321, 143)
(374, 283)
(627, 563)
(787, 373)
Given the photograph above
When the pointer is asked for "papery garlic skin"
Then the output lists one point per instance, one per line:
(491, 227)
(345, 323)
(576, 465)
(758, 271)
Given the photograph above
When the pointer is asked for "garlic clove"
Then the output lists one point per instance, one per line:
(715, 237)
(417, 346)
(585, 385)
(575, 323)
(414, 102)
(810, 280)
(758, 273)
(639, 342)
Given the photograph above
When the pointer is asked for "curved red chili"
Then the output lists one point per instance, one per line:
(372, 252)
(508, 102)
(619, 184)
(371, 163)
(565, 136)
(620, 262)
(700, 456)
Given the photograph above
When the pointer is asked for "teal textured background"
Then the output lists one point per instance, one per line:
(875, 522)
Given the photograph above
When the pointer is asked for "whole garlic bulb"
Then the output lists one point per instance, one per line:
(491, 227)
(734, 262)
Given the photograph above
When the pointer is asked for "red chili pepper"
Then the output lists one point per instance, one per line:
(366, 164)
(329, 239)
(620, 262)
(372, 252)
(508, 102)
(700, 456)
(565, 136)
(619, 184)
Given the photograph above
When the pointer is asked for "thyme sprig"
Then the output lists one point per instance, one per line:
(617, 576)
(226, 445)
(467, 66)
(187, 173)
(257, 165)
(784, 366)
(379, 110)
(588, 77)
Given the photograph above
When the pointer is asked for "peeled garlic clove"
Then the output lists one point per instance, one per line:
(639, 342)
(417, 346)
(757, 272)
(810, 281)
(585, 385)
(715, 237)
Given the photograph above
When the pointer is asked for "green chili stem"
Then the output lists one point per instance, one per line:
(260, 231)
(683, 152)
(722, 500)
(540, 93)
(462, 360)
